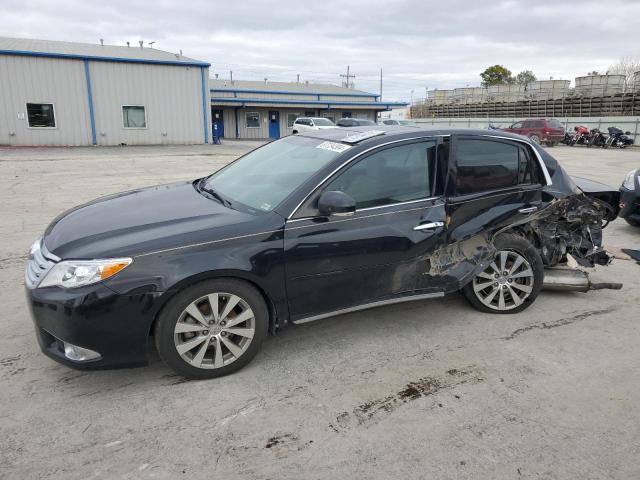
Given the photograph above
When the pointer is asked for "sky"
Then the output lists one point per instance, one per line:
(417, 44)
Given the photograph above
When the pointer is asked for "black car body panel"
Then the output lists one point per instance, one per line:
(630, 201)
(304, 264)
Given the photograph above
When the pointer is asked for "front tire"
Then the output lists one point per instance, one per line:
(511, 282)
(212, 328)
(535, 139)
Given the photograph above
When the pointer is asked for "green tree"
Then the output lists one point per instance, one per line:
(496, 75)
(524, 77)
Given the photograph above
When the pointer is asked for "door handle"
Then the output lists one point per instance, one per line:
(528, 210)
(428, 226)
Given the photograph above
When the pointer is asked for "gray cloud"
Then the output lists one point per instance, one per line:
(419, 44)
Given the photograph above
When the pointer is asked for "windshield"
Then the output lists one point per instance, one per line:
(266, 176)
(323, 122)
(407, 122)
(366, 122)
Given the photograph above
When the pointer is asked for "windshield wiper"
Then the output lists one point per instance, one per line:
(214, 194)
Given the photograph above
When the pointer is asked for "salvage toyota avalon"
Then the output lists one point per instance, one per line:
(303, 228)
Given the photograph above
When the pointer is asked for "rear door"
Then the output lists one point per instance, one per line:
(340, 262)
(494, 183)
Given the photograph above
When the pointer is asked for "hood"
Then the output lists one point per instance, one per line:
(144, 220)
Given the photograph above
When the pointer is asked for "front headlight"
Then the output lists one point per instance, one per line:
(78, 273)
(628, 180)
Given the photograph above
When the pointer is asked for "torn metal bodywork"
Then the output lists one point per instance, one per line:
(572, 225)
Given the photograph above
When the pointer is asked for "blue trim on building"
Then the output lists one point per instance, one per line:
(97, 58)
(279, 92)
(244, 101)
(205, 107)
(92, 120)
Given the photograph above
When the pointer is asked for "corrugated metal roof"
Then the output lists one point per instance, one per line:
(284, 87)
(96, 51)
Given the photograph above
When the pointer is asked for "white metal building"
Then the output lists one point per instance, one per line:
(259, 110)
(62, 93)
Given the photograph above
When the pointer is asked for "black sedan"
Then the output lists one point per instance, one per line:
(303, 228)
(630, 198)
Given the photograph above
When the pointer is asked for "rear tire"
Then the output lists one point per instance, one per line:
(199, 341)
(492, 291)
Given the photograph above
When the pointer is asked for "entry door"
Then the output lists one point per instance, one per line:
(495, 183)
(376, 254)
(274, 124)
(217, 122)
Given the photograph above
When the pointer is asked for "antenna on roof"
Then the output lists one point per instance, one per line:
(141, 42)
(102, 42)
(151, 44)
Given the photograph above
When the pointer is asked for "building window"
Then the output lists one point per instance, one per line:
(346, 114)
(41, 115)
(291, 117)
(310, 113)
(134, 116)
(252, 120)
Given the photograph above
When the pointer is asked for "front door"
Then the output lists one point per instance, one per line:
(217, 123)
(274, 124)
(379, 252)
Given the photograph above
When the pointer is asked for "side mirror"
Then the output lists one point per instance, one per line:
(627, 133)
(336, 203)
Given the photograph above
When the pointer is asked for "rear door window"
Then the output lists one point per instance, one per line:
(529, 168)
(484, 165)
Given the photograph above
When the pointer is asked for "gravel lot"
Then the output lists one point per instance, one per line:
(429, 390)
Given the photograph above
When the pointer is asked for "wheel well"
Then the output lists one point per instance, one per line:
(203, 277)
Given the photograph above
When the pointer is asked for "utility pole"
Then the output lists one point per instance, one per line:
(380, 98)
(231, 75)
(347, 76)
(298, 79)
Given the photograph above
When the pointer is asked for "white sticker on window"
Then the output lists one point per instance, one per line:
(333, 147)
(265, 206)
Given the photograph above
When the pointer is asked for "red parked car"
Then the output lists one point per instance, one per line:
(541, 130)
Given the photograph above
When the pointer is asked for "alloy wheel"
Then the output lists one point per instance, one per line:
(214, 330)
(506, 283)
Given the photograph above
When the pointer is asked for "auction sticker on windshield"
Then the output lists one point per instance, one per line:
(333, 147)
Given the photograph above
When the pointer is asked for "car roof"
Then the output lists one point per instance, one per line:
(381, 133)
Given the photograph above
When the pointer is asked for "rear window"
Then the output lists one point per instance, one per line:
(485, 165)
